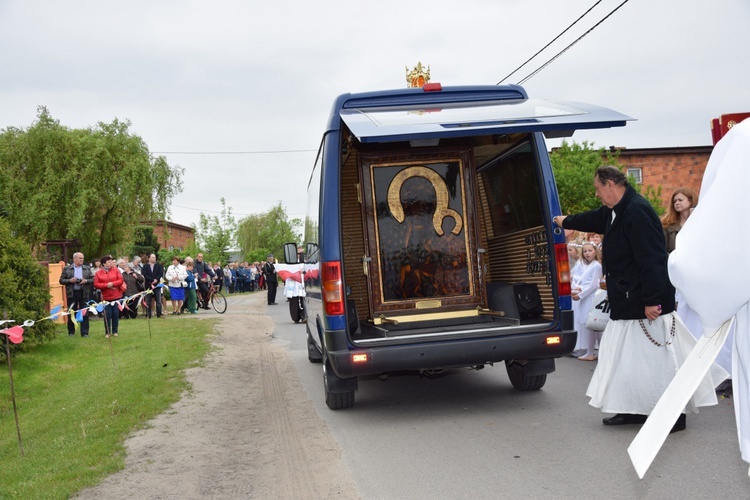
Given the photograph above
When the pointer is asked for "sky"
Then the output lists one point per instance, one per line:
(238, 92)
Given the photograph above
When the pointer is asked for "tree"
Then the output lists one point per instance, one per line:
(216, 235)
(260, 234)
(145, 241)
(574, 166)
(92, 185)
(24, 293)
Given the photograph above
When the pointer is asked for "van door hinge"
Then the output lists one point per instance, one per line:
(365, 268)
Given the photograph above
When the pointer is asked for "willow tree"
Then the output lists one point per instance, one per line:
(92, 184)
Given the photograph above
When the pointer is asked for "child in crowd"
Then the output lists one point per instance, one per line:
(572, 236)
(596, 239)
(586, 283)
(191, 294)
(574, 259)
(574, 254)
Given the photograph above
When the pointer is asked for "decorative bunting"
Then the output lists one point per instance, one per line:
(92, 307)
(14, 333)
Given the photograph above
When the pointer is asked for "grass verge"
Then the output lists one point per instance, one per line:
(76, 408)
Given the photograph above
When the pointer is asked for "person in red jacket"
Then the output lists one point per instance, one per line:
(109, 280)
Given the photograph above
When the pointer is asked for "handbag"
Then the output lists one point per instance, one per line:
(599, 315)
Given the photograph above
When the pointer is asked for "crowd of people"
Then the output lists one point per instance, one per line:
(110, 280)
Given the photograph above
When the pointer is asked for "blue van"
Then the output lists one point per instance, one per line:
(429, 241)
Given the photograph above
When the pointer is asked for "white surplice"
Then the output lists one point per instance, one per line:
(711, 263)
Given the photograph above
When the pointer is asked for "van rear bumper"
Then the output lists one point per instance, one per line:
(443, 354)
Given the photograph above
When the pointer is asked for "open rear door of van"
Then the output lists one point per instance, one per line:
(457, 212)
(372, 122)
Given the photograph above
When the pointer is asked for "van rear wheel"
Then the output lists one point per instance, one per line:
(520, 378)
(335, 400)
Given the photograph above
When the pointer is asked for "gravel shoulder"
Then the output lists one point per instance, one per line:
(246, 429)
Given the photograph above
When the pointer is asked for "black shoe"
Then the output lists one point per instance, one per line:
(680, 425)
(624, 419)
(725, 389)
(84, 335)
(71, 334)
(272, 304)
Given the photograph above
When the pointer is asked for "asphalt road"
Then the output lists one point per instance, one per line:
(469, 434)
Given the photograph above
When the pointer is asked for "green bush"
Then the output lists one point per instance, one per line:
(24, 293)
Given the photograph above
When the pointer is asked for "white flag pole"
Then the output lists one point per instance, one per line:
(654, 432)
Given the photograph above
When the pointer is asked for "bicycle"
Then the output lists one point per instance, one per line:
(215, 298)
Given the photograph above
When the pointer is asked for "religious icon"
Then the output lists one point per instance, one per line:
(422, 243)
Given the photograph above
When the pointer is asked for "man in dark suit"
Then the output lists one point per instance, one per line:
(269, 271)
(154, 274)
(78, 279)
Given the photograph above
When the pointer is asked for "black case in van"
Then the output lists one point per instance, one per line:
(520, 300)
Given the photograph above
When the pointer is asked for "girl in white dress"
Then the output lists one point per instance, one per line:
(576, 270)
(587, 284)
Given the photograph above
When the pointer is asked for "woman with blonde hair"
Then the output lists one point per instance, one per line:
(576, 270)
(681, 204)
(587, 282)
(574, 254)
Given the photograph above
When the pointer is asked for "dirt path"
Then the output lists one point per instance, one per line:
(245, 430)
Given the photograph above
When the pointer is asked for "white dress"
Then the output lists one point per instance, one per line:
(588, 284)
(633, 372)
(713, 277)
(576, 273)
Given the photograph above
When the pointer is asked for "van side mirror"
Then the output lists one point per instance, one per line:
(290, 253)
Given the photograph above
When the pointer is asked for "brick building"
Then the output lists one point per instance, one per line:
(172, 235)
(669, 168)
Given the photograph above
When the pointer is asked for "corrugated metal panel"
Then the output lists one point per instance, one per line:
(521, 258)
(354, 238)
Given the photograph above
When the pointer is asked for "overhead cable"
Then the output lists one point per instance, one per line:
(550, 43)
(540, 68)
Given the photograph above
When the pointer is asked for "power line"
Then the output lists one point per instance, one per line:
(220, 211)
(573, 43)
(550, 43)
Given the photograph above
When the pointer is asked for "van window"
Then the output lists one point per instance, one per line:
(512, 191)
(312, 219)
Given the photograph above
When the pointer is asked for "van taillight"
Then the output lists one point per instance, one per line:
(563, 269)
(333, 290)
